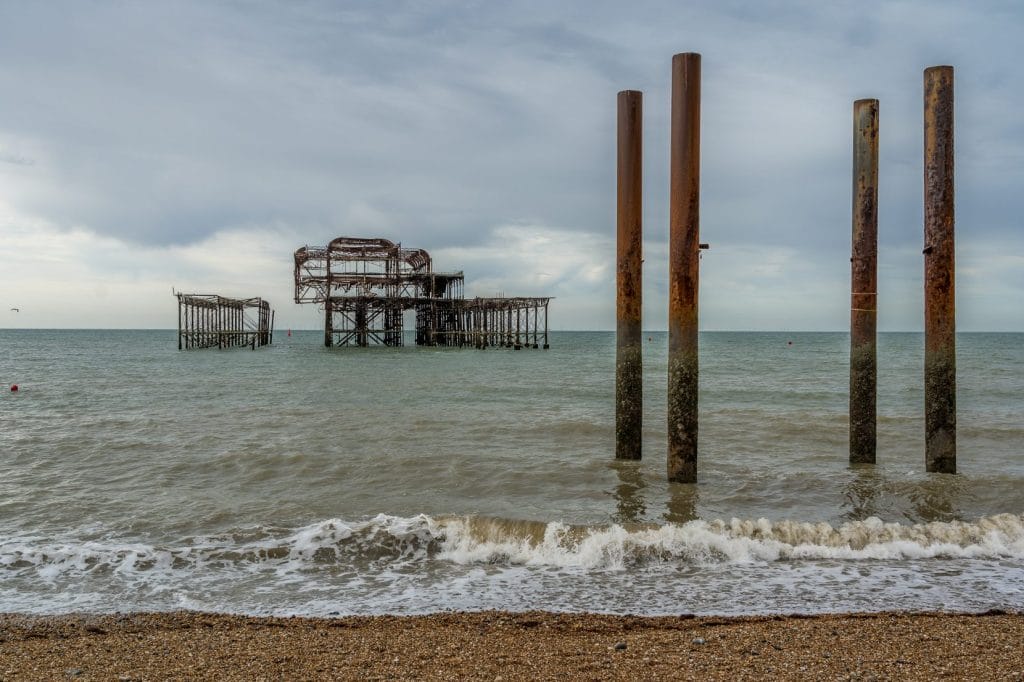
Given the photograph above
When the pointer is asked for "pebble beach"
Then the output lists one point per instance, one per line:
(512, 646)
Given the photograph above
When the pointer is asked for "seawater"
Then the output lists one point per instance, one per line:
(297, 479)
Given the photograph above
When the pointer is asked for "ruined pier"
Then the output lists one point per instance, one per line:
(212, 321)
(366, 286)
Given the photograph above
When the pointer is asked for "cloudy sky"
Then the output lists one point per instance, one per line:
(196, 145)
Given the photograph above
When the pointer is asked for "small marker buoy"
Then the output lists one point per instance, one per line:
(790, 343)
(14, 388)
(289, 332)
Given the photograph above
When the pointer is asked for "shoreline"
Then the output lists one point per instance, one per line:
(493, 645)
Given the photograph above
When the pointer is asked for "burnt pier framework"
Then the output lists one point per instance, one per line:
(366, 286)
(213, 321)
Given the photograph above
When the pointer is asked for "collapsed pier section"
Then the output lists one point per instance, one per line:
(212, 321)
(366, 286)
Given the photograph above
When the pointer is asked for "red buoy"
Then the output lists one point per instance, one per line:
(14, 388)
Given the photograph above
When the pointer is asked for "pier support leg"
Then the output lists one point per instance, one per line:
(684, 255)
(361, 326)
(546, 344)
(629, 237)
(939, 282)
(328, 323)
(864, 283)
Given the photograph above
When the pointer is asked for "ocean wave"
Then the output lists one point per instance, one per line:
(386, 542)
(477, 540)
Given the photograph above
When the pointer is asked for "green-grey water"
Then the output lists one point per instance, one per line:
(300, 479)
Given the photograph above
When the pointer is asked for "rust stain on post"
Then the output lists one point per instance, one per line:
(629, 237)
(684, 258)
(864, 283)
(939, 282)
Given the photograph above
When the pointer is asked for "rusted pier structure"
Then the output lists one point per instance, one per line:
(939, 273)
(212, 321)
(629, 394)
(864, 284)
(366, 285)
(684, 268)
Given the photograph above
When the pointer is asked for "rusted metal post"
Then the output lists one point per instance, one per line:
(546, 344)
(536, 312)
(684, 259)
(864, 283)
(328, 323)
(519, 314)
(629, 392)
(939, 280)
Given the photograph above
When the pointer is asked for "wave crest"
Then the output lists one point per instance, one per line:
(387, 541)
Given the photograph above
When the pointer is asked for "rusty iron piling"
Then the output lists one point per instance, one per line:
(328, 324)
(939, 273)
(684, 259)
(629, 296)
(864, 283)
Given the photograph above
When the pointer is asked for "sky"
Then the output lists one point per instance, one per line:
(147, 147)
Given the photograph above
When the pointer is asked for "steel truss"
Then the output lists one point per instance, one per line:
(365, 286)
(212, 321)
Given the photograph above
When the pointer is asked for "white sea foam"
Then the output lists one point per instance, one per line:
(392, 564)
(332, 541)
(735, 541)
(374, 544)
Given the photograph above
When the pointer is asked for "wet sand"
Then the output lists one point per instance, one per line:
(506, 646)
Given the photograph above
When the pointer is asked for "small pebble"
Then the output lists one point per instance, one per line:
(698, 640)
(620, 646)
(73, 672)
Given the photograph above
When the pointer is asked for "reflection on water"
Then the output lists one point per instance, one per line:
(936, 497)
(861, 492)
(631, 497)
(682, 502)
(630, 504)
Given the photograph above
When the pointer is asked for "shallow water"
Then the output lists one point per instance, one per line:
(299, 479)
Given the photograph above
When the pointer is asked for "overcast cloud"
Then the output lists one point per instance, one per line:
(195, 145)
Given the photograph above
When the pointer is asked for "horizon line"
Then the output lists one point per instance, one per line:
(560, 331)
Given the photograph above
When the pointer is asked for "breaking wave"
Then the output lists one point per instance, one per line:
(389, 542)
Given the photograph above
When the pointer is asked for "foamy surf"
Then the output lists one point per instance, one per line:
(422, 564)
(391, 540)
(481, 540)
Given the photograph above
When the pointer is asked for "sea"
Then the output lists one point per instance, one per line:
(296, 479)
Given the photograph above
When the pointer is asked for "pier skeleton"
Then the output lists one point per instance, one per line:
(212, 321)
(366, 285)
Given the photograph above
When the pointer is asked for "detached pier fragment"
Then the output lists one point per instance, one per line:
(367, 285)
(212, 321)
